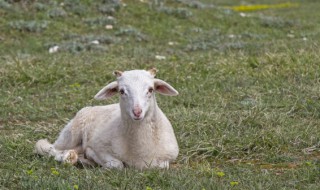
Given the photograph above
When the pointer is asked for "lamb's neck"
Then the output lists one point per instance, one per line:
(141, 130)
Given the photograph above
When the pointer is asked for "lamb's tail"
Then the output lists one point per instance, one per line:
(45, 148)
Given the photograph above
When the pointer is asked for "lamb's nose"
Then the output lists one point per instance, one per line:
(137, 111)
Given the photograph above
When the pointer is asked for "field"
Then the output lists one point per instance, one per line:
(248, 113)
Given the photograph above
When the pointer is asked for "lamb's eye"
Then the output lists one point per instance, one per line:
(150, 90)
(121, 91)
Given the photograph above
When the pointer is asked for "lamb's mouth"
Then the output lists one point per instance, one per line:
(137, 118)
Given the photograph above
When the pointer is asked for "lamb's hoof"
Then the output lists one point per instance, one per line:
(71, 157)
(113, 164)
(164, 164)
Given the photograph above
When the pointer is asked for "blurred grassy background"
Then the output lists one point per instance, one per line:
(247, 115)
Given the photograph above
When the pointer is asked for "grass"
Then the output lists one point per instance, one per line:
(247, 116)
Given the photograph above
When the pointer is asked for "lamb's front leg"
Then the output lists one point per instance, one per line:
(111, 162)
(67, 156)
(105, 160)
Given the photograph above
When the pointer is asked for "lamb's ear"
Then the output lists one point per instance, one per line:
(164, 88)
(108, 91)
(118, 73)
(153, 71)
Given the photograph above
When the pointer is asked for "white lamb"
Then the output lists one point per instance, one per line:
(134, 132)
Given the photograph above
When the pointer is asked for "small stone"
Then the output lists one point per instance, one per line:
(172, 43)
(160, 57)
(53, 49)
(243, 14)
(109, 27)
(290, 35)
(95, 42)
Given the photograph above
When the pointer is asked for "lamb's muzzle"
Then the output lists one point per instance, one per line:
(137, 112)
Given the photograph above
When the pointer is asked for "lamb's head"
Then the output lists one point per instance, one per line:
(136, 89)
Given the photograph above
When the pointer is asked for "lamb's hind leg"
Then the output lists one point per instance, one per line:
(70, 137)
(66, 147)
(43, 147)
(69, 142)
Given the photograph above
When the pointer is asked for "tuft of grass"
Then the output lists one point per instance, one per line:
(109, 7)
(40, 6)
(57, 12)
(29, 26)
(5, 5)
(178, 12)
(276, 22)
(100, 21)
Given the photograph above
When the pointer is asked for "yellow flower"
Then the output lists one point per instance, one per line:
(54, 171)
(234, 183)
(75, 85)
(309, 163)
(220, 174)
(76, 187)
(243, 8)
(29, 172)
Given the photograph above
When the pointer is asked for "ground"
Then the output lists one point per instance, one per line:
(247, 116)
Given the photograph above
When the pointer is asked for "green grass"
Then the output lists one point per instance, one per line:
(247, 116)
